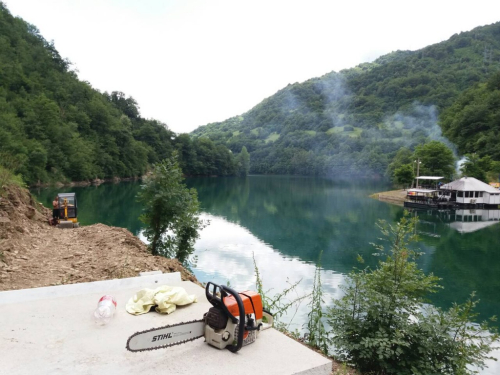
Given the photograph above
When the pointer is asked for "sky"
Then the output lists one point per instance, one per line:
(193, 62)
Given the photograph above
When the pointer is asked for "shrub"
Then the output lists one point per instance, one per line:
(7, 177)
(383, 325)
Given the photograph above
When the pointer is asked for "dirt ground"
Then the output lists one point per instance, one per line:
(34, 254)
(394, 196)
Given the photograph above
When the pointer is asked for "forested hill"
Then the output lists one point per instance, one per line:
(54, 127)
(355, 121)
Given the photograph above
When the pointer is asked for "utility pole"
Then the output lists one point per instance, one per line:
(418, 170)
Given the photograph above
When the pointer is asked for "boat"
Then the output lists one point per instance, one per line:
(466, 192)
(428, 194)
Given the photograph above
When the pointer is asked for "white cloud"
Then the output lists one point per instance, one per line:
(191, 62)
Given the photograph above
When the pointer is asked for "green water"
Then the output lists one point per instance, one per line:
(286, 221)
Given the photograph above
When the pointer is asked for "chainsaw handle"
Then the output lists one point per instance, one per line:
(219, 303)
(241, 322)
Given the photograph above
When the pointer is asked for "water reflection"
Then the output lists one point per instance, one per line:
(463, 220)
(300, 217)
(225, 254)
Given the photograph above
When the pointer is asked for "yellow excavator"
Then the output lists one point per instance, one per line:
(68, 210)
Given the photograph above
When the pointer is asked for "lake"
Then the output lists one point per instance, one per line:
(285, 222)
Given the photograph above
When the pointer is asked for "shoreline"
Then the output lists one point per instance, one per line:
(98, 181)
(95, 182)
(396, 197)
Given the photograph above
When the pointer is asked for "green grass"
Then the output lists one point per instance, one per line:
(355, 134)
(7, 177)
(310, 132)
(273, 137)
(340, 130)
(255, 131)
(236, 133)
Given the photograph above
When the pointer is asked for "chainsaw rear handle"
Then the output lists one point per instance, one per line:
(218, 302)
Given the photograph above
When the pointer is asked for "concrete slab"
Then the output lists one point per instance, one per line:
(99, 287)
(50, 331)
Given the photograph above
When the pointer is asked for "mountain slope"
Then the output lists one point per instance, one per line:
(54, 127)
(354, 121)
(473, 121)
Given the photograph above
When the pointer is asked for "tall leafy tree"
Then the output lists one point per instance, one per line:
(404, 174)
(475, 167)
(402, 157)
(170, 211)
(436, 159)
(243, 159)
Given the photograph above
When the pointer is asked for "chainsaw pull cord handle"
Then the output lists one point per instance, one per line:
(219, 303)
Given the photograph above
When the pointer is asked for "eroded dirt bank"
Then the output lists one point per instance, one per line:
(396, 197)
(34, 254)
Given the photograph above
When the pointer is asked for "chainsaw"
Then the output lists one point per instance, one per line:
(235, 320)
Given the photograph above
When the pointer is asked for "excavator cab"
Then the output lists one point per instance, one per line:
(68, 210)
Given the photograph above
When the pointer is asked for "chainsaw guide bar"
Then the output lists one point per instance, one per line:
(167, 336)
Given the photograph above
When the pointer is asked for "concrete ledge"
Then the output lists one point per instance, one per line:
(102, 287)
(50, 331)
(148, 273)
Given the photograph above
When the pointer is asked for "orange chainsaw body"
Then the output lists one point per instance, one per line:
(252, 302)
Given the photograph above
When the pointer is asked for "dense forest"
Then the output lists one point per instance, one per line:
(368, 120)
(54, 127)
(355, 121)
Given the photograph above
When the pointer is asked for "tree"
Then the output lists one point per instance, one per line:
(383, 325)
(170, 211)
(243, 159)
(472, 167)
(436, 158)
(404, 174)
(403, 156)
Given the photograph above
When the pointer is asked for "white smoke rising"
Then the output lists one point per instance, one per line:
(333, 87)
(459, 165)
(421, 120)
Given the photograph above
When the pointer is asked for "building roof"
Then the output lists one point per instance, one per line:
(429, 178)
(469, 184)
